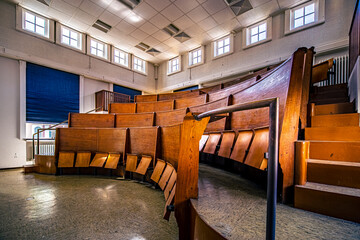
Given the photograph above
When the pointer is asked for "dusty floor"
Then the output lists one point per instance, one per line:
(36, 206)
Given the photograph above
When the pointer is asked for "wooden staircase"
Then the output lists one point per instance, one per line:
(328, 161)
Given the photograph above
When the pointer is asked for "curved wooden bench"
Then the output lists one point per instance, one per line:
(188, 102)
(79, 120)
(172, 117)
(134, 120)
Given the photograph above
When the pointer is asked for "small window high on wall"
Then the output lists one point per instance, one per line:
(174, 65)
(127, 91)
(139, 65)
(50, 94)
(223, 46)
(258, 33)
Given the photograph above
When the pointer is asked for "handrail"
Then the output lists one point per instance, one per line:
(40, 130)
(273, 152)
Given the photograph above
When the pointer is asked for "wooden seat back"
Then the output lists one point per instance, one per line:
(258, 148)
(212, 142)
(242, 145)
(122, 108)
(143, 141)
(83, 159)
(143, 107)
(227, 142)
(166, 176)
(99, 160)
(188, 102)
(131, 162)
(320, 71)
(146, 98)
(158, 170)
(112, 160)
(134, 120)
(172, 117)
(169, 144)
(203, 141)
(143, 165)
(66, 159)
(82, 120)
(178, 95)
(170, 185)
(169, 202)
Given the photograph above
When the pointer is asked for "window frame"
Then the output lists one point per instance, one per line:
(170, 61)
(216, 42)
(136, 70)
(319, 16)
(190, 57)
(106, 49)
(118, 63)
(49, 24)
(247, 34)
(59, 29)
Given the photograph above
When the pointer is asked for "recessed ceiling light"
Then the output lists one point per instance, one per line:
(182, 37)
(153, 51)
(130, 3)
(239, 6)
(46, 2)
(171, 29)
(104, 27)
(142, 46)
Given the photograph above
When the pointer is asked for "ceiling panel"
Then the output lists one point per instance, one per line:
(149, 28)
(186, 6)
(172, 12)
(183, 22)
(109, 18)
(139, 35)
(91, 8)
(214, 6)
(145, 10)
(125, 27)
(198, 14)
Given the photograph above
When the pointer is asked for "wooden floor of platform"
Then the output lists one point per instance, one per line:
(236, 208)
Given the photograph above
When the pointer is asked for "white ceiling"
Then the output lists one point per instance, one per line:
(202, 20)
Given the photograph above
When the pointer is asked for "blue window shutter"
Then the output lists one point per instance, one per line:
(187, 88)
(127, 91)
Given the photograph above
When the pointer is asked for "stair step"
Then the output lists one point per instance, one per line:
(346, 174)
(337, 108)
(335, 201)
(329, 94)
(333, 133)
(336, 120)
(335, 151)
(330, 100)
(30, 168)
(331, 88)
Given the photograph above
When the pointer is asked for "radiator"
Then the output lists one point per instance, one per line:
(46, 149)
(339, 73)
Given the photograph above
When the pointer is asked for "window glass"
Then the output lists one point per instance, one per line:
(304, 15)
(35, 24)
(222, 46)
(121, 57)
(97, 49)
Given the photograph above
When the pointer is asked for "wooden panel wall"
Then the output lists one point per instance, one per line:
(143, 141)
(122, 108)
(170, 117)
(134, 120)
(143, 107)
(80, 120)
(169, 145)
(188, 102)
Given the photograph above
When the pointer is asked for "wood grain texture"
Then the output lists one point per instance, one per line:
(134, 120)
(45, 164)
(72, 139)
(158, 170)
(83, 159)
(66, 159)
(111, 140)
(122, 108)
(187, 171)
(188, 102)
(170, 185)
(335, 151)
(301, 157)
(336, 108)
(212, 142)
(169, 201)
(169, 144)
(177, 95)
(143, 107)
(82, 120)
(165, 176)
(320, 70)
(112, 160)
(242, 145)
(173, 117)
(336, 120)
(131, 162)
(99, 160)
(143, 165)
(226, 145)
(259, 146)
(146, 98)
(143, 141)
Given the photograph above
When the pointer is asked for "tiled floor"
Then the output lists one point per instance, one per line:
(36, 206)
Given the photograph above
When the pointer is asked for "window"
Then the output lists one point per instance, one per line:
(258, 33)
(139, 65)
(71, 38)
(304, 16)
(196, 56)
(223, 46)
(98, 48)
(121, 57)
(174, 65)
(34, 24)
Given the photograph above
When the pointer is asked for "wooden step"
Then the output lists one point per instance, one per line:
(30, 168)
(335, 151)
(330, 88)
(336, 120)
(323, 101)
(333, 133)
(335, 201)
(329, 94)
(346, 174)
(337, 108)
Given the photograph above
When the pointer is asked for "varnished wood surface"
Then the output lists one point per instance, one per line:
(169, 145)
(212, 142)
(111, 140)
(173, 117)
(170, 185)
(82, 120)
(122, 108)
(66, 159)
(99, 160)
(143, 165)
(258, 148)
(143, 141)
(301, 157)
(177, 95)
(188, 102)
(134, 120)
(131, 162)
(45, 164)
(112, 160)
(335, 151)
(337, 108)
(333, 133)
(242, 145)
(83, 159)
(320, 70)
(336, 120)
(143, 107)
(72, 139)
(226, 145)
(165, 176)
(146, 98)
(158, 170)
(169, 201)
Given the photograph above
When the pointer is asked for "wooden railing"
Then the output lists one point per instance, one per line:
(103, 98)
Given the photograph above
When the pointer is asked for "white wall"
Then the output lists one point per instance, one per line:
(19, 45)
(90, 87)
(331, 35)
(12, 148)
